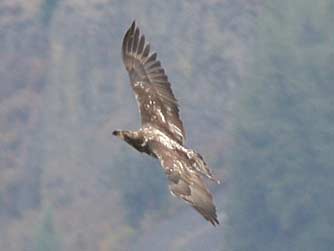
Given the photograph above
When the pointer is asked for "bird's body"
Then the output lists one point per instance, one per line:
(162, 132)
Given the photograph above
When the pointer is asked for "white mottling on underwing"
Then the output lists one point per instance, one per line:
(135, 84)
(161, 115)
(140, 84)
(179, 164)
(156, 134)
(175, 129)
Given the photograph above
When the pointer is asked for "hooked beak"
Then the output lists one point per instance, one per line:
(118, 134)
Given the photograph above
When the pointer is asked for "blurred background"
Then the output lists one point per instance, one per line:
(254, 80)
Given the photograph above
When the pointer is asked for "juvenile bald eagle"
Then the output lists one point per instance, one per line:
(162, 133)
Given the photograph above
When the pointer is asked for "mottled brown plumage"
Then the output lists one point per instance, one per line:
(162, 133)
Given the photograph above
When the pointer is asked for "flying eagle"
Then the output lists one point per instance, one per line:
(162, 133)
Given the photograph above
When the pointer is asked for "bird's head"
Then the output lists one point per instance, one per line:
(119, 134)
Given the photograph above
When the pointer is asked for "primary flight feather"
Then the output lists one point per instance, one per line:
(162, 134)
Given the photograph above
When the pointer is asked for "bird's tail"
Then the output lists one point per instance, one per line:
(198, 163)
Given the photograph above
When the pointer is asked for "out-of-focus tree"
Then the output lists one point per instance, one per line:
(47, 238)
(47, 10)
(281, 161)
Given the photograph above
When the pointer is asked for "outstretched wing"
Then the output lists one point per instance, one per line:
(157, 104)
(186, 183)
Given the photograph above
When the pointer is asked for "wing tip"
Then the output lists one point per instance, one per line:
(214, 221)
(134, 45)
(211, 216)
(133, 25)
